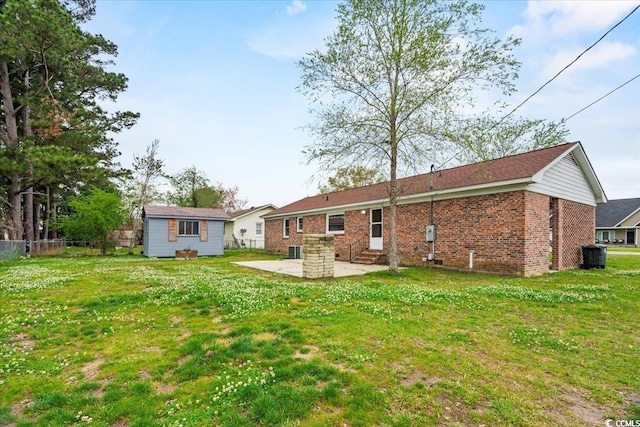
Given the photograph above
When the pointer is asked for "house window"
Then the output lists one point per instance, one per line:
(285, 230)
(299, 224)
(188, 228)
(335, 223)
(258, 229)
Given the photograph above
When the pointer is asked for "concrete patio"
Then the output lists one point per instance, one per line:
(293, 267)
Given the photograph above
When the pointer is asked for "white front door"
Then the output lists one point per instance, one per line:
(375, 229)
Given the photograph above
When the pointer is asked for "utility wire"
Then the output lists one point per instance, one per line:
(549, 81)
(567, 66)
(602, 97)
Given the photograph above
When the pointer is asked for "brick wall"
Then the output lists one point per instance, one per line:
(356, 226)
(492, 226)
(573, 227)
(507, 232)
(536, 234)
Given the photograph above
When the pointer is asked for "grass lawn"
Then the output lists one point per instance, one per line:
(622, 249)
(130, 341)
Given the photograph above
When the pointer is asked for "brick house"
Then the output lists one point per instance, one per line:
(500, 216)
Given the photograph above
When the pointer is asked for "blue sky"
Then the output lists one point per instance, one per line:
(215, 82)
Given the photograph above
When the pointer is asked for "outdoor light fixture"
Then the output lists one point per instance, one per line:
(364, 211)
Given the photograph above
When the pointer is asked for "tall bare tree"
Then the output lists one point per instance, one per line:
(142, 189)
(394, 81)
(191, 188)
(351, 177)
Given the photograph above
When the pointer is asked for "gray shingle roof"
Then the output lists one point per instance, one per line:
(177, 212)
(611, 213)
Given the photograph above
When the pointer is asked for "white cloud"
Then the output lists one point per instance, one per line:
(289, 40)
(277, 43)
(600, 56)
(296, 7)
(560, 18)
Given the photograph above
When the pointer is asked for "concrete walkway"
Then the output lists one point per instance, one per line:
(622, 253)
(293, 267)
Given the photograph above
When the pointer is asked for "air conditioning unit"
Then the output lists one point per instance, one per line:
(295, 252)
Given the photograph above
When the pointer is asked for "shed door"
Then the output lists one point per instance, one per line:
(375, 229)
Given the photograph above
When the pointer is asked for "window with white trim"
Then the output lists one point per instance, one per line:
(188, 228)
(299, 222)
(285, 227)
(258, 229)
(335, 223)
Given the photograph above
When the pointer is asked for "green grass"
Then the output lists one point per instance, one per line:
(125, 340)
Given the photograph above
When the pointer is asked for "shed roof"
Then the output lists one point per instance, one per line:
(179, 212)
(518, 168)
(612, 213)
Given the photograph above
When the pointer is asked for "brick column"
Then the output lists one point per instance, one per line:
(318, 256)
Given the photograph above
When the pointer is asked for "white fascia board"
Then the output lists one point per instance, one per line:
(539, 176)
(470, 191)
(581, 158)
(332, 209)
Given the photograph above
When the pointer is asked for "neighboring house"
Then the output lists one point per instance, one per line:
(489, 216)
(618, 222)
(245, 229)
(168, 229)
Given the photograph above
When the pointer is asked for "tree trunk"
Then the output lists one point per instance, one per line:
(10, 139)
(37, 213)
(53, 215)
(47, 216)
(28, 197)
(28, 215)
(393, 201)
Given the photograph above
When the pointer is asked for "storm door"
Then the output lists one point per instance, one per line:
(375, 229)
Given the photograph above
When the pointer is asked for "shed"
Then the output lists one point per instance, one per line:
(168, 229)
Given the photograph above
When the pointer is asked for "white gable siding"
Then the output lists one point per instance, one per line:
(565, 180)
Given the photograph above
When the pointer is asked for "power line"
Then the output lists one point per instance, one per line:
(602, 97)
(567, 66)
(549, 81)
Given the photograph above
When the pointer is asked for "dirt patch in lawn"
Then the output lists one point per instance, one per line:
(92, 369)
(579, 407)
(307, 352)
(17, 410)
(176, 319)
(418, 376)
(23, 341)
(265, 336)
(164, 388)
(184, 335)
(99, 392)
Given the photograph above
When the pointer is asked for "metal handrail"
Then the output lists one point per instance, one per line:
(357, 247)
